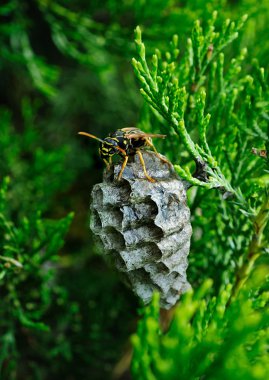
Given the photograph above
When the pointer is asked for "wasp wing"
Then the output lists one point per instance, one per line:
(140, 134)
(129, 129)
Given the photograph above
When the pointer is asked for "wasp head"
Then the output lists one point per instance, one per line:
(108, 147)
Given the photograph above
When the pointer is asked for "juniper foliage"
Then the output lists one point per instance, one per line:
(29, 246)
(65, 67)
(206, 339)
(216, 112)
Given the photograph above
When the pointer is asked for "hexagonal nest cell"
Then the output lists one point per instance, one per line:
(145, 227)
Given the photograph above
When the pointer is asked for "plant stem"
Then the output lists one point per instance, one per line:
(254, 249)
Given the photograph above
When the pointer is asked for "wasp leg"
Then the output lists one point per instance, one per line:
(149, 143)
(144, 166)
(123, 167)
(108, 163)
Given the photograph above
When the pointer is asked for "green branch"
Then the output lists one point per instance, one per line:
(160, 86)
(254, 249)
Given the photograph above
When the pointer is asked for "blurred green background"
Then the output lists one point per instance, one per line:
(64, 68)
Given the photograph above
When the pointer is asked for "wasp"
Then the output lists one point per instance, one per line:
(126, 142)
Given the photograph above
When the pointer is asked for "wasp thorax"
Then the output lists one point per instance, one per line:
(144, 227)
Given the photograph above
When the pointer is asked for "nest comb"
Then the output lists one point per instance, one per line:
(145, 227)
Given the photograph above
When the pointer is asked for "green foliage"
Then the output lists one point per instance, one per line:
(182, 91)
(216, 113)
(177, 90)
(64, 68)
(207, 338)
(26, 160)
(16, 47)
(28, 255)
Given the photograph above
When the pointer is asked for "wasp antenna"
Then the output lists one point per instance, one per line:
(91, 136)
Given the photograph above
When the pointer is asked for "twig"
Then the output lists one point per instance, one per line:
(254, 249)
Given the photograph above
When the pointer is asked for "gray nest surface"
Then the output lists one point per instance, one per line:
(145, 227)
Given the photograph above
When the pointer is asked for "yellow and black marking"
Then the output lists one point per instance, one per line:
(126, 142)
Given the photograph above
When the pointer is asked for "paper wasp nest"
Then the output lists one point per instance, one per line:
(145, 227)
